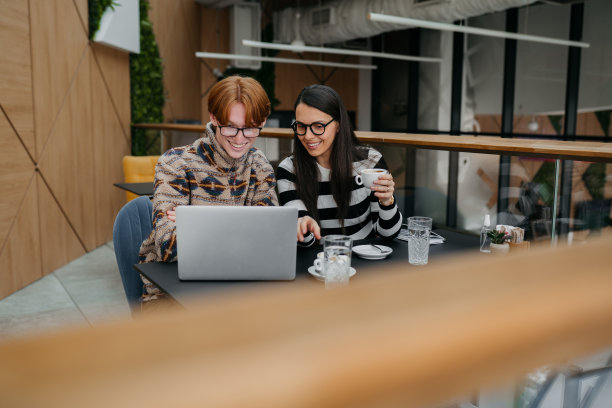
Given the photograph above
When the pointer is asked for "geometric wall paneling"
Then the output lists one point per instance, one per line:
(66, 163)
(58, 242)
(16, 172)
(176, 28)
(20, 257)
(15, 70)
(109, 146)
(58, 41)
(82, 7)
(114, 66)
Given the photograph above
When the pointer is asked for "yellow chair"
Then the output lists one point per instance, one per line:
(138, 169)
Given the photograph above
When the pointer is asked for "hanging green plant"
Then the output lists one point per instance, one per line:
(146, 84)
(96, 10)
(147, 88)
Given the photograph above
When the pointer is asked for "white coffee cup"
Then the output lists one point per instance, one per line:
(318, 263)
(368, 176)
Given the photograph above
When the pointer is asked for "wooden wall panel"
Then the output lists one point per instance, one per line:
(115, 68)
(15, 69)
(214, 37)
(176, 28)
(67, 162)
(58, 41)
(49, 86)
(16, 170)
(20, 261)
(58, 242)
(291, 78)
(109, 147)
(83, 9)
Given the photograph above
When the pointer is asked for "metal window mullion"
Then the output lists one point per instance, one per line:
(455, 128)
(509, 85)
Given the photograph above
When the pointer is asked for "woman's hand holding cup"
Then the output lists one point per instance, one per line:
(380, 181)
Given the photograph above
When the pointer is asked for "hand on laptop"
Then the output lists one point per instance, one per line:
(171, 214)
(307, 224)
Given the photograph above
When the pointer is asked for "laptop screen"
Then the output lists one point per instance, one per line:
(236, 242)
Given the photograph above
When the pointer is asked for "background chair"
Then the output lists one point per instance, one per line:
(132, 225)
(138, 169)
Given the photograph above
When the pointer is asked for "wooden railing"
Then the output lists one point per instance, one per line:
(555, 149)
(399, 337)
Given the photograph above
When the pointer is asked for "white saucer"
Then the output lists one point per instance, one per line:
(313, 272)
(369, 252)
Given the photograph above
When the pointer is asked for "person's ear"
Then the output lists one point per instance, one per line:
(213, 119)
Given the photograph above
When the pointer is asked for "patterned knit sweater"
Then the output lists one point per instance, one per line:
(203, 174)
(366, 217)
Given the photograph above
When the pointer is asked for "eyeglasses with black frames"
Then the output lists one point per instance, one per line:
(231, 131)
(317, 128)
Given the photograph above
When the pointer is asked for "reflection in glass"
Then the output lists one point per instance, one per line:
(595, 96)
(541, 71)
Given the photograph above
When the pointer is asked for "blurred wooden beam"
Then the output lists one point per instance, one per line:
(409, 336)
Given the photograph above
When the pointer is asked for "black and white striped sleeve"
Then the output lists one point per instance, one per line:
(387, 219)
(287, 194)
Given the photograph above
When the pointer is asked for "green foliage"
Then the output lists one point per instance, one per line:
(96, 10)
(595, 179)
(266, 74)
(497, 237)
(545, 179)
(147, 88)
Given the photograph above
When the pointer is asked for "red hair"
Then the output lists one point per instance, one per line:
(241, 89)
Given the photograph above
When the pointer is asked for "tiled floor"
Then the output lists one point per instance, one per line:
(84, 292)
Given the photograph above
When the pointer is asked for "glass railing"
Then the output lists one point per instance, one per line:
(555, 191)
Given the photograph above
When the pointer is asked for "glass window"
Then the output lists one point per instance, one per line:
(590, 203)
(484, 72)
(541, 71)
(595, 95)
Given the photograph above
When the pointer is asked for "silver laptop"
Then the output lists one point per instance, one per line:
(236, 243)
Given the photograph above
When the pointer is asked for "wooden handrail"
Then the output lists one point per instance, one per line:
(400, 337)
(551, 149)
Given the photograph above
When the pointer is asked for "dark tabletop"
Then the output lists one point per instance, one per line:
(165, 275)
(137, 188)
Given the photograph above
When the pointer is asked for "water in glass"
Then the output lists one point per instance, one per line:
(419, 229)
(337, 264)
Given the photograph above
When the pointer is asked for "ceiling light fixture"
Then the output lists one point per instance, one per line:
(306, 48)
(384, 18)
(216, 55)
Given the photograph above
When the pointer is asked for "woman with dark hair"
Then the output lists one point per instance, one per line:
(319, 178)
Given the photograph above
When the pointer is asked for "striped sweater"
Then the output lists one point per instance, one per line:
(366, 217)
(203, 174)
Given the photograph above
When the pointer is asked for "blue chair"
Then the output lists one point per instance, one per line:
(132, 225)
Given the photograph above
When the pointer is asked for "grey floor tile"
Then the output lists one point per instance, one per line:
(94, 283)
(42, 305)
(86, 291)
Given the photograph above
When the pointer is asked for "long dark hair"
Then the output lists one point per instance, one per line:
(345, 150)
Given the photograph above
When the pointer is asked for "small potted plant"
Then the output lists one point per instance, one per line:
(498, 242)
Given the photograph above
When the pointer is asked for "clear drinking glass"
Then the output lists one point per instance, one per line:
(419, 229)
(337, 260)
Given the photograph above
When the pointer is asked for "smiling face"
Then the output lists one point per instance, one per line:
(318, 146)
(236, 146)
